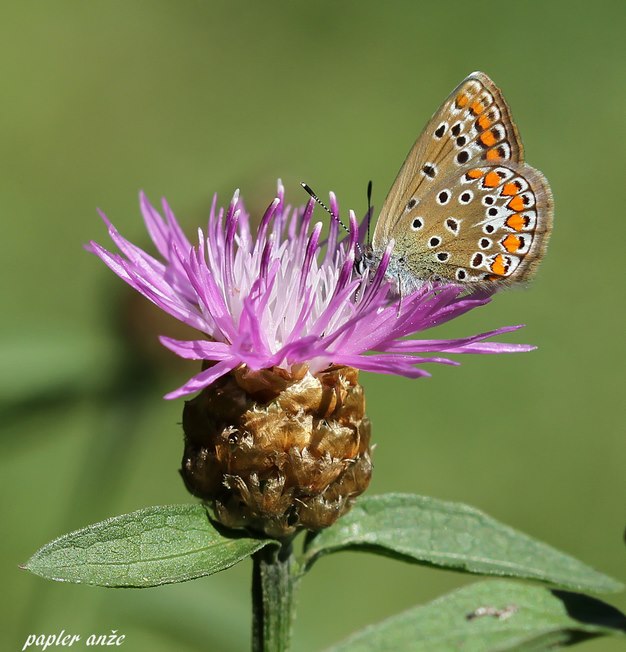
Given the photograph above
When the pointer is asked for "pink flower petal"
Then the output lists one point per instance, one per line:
(285, 296)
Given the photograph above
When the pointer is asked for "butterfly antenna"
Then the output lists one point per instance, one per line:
(369, 211)
(323, 205)
(335, 217)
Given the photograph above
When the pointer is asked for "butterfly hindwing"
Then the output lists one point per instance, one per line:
(486, 223)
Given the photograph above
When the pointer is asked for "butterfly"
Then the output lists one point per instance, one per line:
(465, 208)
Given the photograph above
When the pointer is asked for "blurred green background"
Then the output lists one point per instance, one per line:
(101, 99)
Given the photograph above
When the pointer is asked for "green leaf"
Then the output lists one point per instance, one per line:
(451, 535)
(150, 547)
(491, 616)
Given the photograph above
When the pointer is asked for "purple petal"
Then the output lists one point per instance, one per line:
(204, 378)
(197, 349)
(278, 299)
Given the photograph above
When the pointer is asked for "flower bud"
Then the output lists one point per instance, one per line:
(276, 451)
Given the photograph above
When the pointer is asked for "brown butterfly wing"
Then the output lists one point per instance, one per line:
(473, 125)
(485, 223)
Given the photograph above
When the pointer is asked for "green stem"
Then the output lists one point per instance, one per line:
(274, 583)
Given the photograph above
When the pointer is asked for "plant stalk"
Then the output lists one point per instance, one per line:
(274, 584)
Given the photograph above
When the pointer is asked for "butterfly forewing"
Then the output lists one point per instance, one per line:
(465, 207)
(473, 124)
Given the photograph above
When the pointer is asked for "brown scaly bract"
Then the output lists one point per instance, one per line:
(276, 452)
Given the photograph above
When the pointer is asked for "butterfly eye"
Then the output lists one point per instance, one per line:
(484, 243)
(461, 275)
(462, 157)
(488, 200)
(361, 266)
(466, 197)
(443, 256)
(417, 224)
(412, 203)
(441, 130)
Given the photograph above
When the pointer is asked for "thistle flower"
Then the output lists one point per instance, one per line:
(278, 438)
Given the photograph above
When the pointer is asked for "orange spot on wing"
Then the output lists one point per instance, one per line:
(488, 138)
(516, 222)
(492, 179)
(474, 173)
(484, 122)
(516, 204)
(499, 265)
(511, 188)
(494, 154)
(512, 243)
(477, 107)
(461, 100)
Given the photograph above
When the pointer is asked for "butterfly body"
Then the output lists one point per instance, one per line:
(465, 208)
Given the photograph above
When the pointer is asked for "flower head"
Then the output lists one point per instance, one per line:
(277, 439)
(285, 297)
